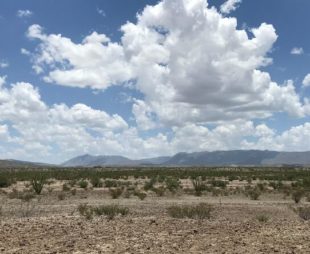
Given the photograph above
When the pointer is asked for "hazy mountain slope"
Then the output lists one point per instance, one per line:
(218, 158)
(22, 164)
(101, 160)
(290, 158)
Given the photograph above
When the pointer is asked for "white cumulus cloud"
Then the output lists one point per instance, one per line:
(297, 51)
(192, 64)
(306, 81)
(229, 6)
(24, 13)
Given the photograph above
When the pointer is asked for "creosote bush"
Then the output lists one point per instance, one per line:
(25, 196)
(61, 196)
(263, 218)
(66, 187)
(96, 182)
(115, 192)
(160, 191)
(83, 184)
(173, 184)
(304, 213)
(141, 195)
(110, 211)
(4, 182)
(200, 211)
(253, 193)
(297, 195)
(103, 210)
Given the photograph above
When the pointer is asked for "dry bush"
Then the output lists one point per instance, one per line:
(61, 196)
(297, 195)
(304, 213)
(107, 210)
(263, 218)
(200, 211)
(116, 193)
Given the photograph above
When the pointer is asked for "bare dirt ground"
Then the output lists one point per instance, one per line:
(49, 225)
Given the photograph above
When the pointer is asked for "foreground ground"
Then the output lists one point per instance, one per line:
(48, 225)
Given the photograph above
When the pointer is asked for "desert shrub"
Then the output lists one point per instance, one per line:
(200, 211)
(263, 218)
(4, 182)
(150, 184)
(61, 196)
(172, 184)
(276, 185)
(110, 211)
(304, 213)
(96, 182)
(110, 183)
(37, 184)
(232, 178)
(253, 193)
(116, 192)
(26, 209)
(199, 186)
(65, 187)
(160, 191)
(215, 192)
(218, 183)
(25, 196)
(72, 182)
(261, 187)
(83, 184)
(161, 178)
(141, 195)
(73, 192)
(297, 195)
(86, 211)
(127, 194)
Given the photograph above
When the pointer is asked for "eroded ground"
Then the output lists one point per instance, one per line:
(49, 225)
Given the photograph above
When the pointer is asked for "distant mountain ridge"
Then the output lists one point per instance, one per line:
(113, 160)
(216, 158)
(22, 164)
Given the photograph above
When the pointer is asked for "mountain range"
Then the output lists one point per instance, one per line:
(216, 158)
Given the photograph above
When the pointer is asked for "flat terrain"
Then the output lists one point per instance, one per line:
(51, 223)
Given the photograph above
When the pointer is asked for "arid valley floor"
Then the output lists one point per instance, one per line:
(52, 222)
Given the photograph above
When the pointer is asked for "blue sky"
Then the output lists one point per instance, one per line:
(91, 77)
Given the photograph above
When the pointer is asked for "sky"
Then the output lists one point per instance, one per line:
(144, 78)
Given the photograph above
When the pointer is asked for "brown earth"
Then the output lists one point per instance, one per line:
(48, 225)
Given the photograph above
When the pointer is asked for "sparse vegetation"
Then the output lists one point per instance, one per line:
(107, 210)
(110, 211)
(96, 182)
(200, 211)
(61, 196)
(263, 218)
(297, 195)
(38, 184)
(141, 195)
(83, 184)
(304, 213)
(116, 192)
(253, 193)
(199, 186)
(4, 182)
